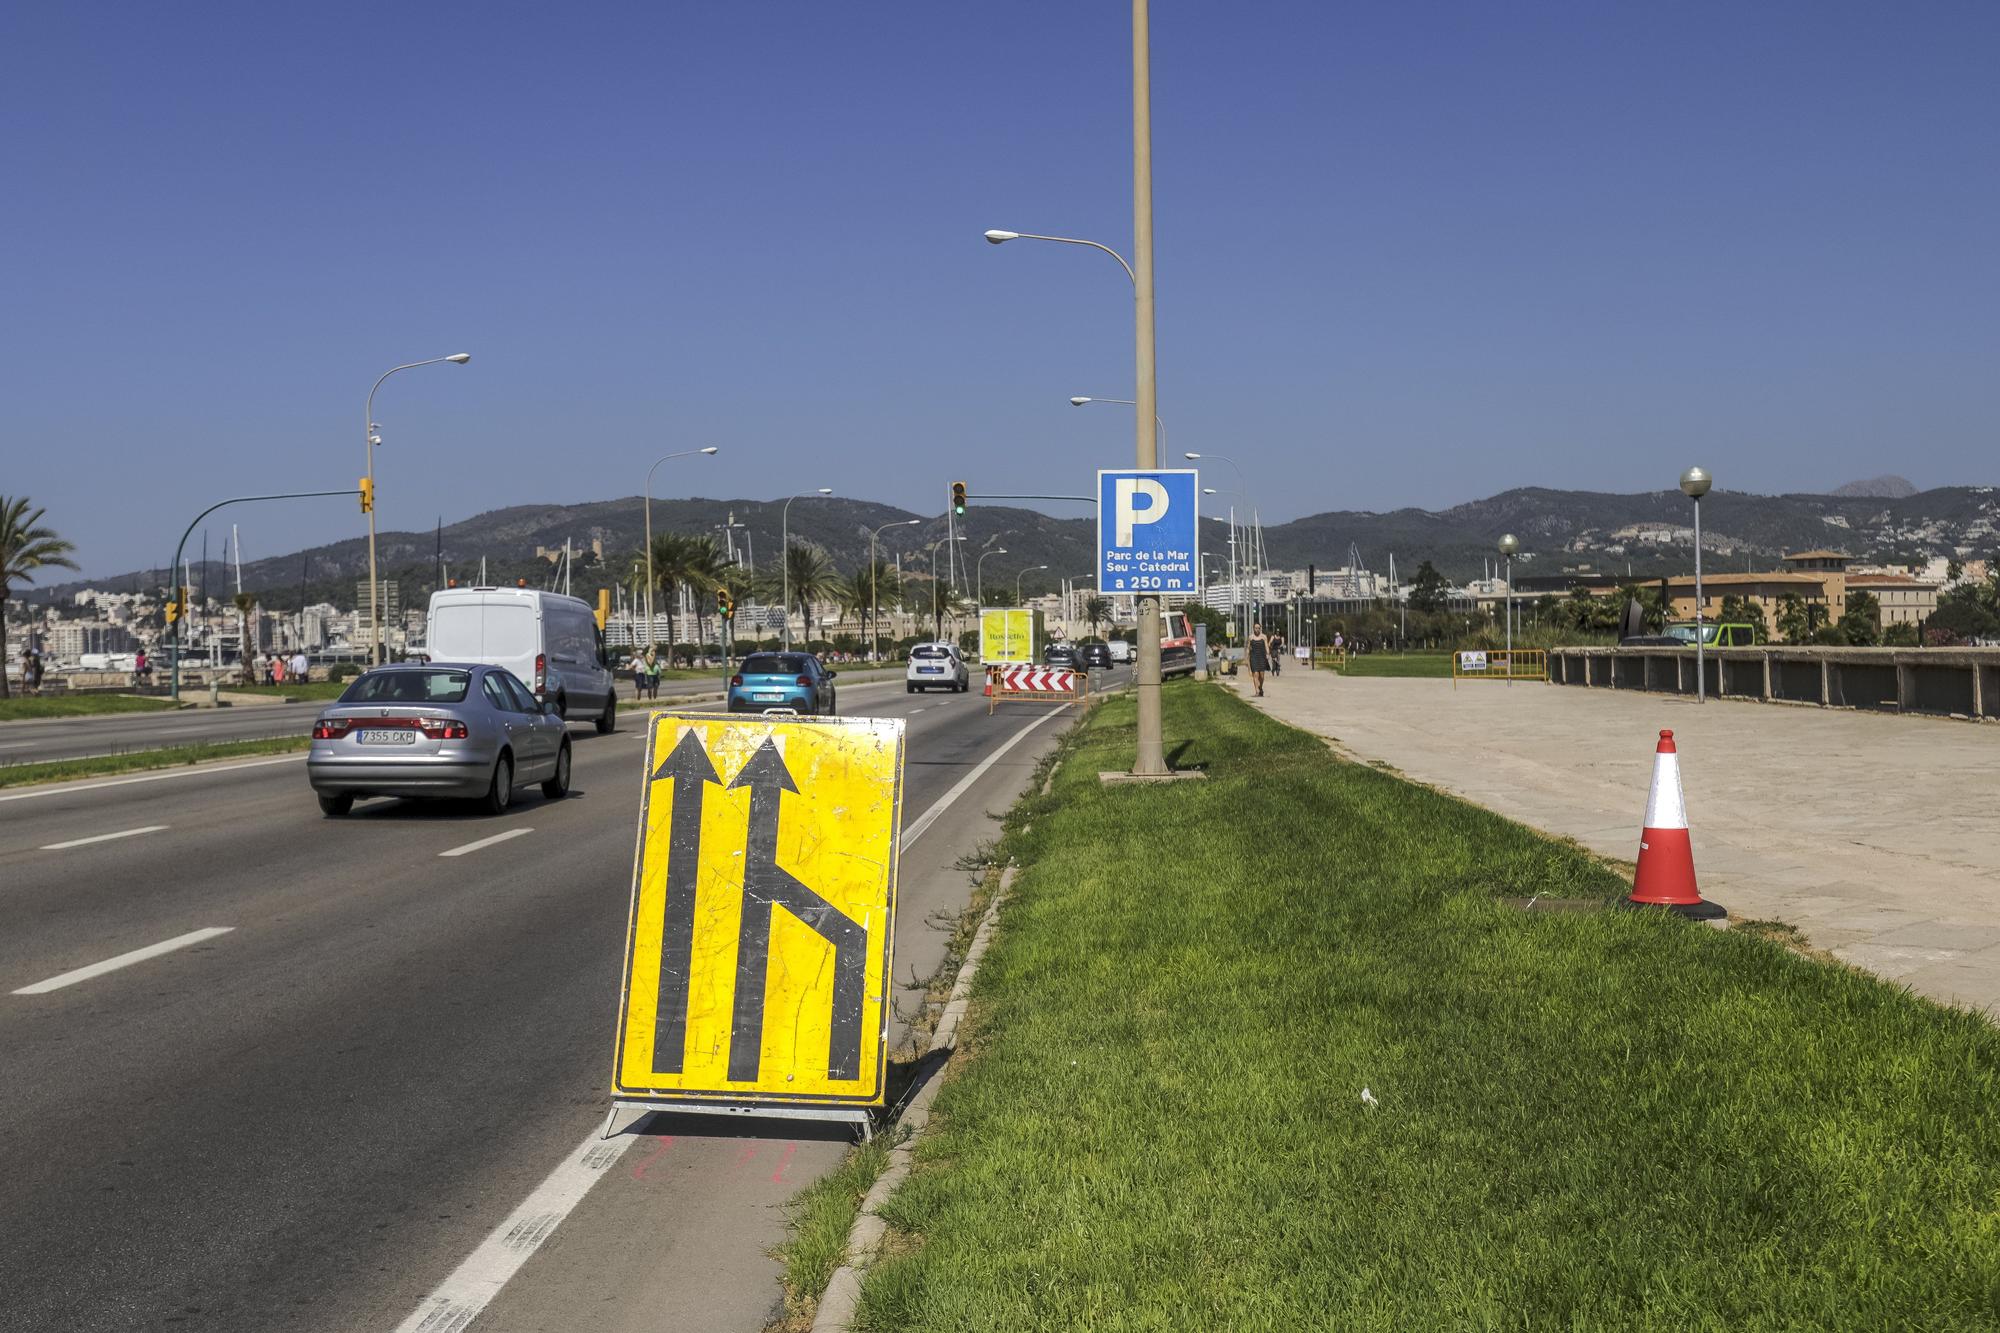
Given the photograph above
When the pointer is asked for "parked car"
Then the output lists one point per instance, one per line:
(936, 666)
(1122, 650)
(798, 681)
(446, 729)
(1059, 654)
(1094, 656)
(549, 641)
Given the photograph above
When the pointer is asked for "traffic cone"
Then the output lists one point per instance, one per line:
(989, 682)
(1666, 857)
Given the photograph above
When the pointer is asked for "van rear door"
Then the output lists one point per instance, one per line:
(495, 628)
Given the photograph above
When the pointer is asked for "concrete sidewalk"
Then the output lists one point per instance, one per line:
(1877, 836)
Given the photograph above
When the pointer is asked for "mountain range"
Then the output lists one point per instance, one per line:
(1649, 532)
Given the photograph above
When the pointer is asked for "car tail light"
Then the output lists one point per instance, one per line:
(541, 672)
(806, 681)
(331, 728)
(444, 729)
(736, 679)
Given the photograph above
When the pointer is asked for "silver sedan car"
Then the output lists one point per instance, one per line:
(436, 729)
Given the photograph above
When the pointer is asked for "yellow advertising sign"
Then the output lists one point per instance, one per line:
(757, 958)
(1007, 636)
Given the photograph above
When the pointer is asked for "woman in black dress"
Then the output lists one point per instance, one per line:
(1260, 658)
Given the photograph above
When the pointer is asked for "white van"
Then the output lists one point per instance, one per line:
(550, 642)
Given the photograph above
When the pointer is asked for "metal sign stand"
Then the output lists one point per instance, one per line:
(861, 1117)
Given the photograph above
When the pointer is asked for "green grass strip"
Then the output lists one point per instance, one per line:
(175, 756)
(21, 707)
(1592, 1120)
(819, 1218)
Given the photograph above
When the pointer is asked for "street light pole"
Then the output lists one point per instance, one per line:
(370, 440)
(979, 574)
(1158, 425)
(785, 558)
(1017, 581)
(874, 611)
(1509, 544)
(710, 452)
(1694, 484)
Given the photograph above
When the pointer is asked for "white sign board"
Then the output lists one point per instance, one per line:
(1472, 661)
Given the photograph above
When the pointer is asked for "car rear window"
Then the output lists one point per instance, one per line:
(404, 686)
(776, 664)
(929, 650)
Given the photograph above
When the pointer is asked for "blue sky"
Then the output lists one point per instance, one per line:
(1408, 254)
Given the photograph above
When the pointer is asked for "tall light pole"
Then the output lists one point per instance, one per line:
(1158, 425)
(874, 613)
(1509, 544)
(709, 452)
(979, 574)
(1236, 623)
(1694, 484)
(1150, 758)
(785, 557)
(1017, 581)
(371, 440)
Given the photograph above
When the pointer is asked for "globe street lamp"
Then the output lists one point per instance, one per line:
(874, 615)
(685, 453)
(1694, 484)
(1508, 545)
(785, 558)
(372, 440)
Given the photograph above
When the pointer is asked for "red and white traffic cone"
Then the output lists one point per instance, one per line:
(989, 681)
(1666, 856)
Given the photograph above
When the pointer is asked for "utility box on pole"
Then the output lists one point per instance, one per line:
(1010, 636)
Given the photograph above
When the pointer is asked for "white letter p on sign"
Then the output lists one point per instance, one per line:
(1126, 517)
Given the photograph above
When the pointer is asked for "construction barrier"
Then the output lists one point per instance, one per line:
(1499, 664)
(1035, 685)
(1330, 658)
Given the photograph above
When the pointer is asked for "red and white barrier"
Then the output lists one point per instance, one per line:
(1665, 875)
(1034, 684)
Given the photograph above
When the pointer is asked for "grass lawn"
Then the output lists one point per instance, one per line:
(1437, 665)
(62, 770)
(76, 705)
(1593, 1120)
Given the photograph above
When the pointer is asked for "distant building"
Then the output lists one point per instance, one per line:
(1904, 599)
(1833, 562)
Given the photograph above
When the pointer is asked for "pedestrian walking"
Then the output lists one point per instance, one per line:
(142, 669)
(31, 671)
(301, 668)
(1260, 657)
(1277, 654)
(270, 671)
(652, 673)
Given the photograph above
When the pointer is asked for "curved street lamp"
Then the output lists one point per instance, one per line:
(1158, 425)
(372, 441)
(874, 613)
(979, 574)
(710, 451)
(785, 557)
(1017, 581)
(1694, 484)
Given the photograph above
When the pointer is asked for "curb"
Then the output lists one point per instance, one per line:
(842, 1297)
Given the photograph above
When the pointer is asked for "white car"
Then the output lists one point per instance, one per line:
(1121, 650)
(936, 666)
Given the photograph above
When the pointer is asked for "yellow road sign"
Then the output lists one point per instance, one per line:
(757, 957)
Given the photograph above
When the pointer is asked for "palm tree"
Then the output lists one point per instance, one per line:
(810, 577)
(680, 559)
(25, 546)
(246, 602)
(1096, 610)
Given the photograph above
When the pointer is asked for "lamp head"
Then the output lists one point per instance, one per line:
(1190, 457)
(995, 237)
(1210, 490)
(1509, 544)
(826, 490)
(1078, 402)
(459, 358)
(911, 523)
(710, 450)
(1695, 483)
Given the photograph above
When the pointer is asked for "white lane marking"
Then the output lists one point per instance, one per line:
(124, 960)
(102, 837)
(487, 842)
(191, 770)
(458, 1300)
(460, 1297)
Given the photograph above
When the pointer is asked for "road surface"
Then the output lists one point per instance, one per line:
(312, 1120)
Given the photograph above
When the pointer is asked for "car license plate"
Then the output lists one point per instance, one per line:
(768, 698)
(931, 671)
(382, 737)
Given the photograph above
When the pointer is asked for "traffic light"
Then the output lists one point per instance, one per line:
(1312, 578)
(958, 498)
(725, 605)
(368, 495)
(173, 612)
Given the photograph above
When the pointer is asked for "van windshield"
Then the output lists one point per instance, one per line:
(776, 664)
(407, 686)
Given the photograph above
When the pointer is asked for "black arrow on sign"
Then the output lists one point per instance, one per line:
(690, 768)
(765, 883)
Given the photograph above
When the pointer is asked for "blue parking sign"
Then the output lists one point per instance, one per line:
(1148, 540)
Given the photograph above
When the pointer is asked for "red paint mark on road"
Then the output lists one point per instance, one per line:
(639, 1168)
(778, 1176)
(743, 1157)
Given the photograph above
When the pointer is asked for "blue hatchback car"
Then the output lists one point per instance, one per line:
(764, 681)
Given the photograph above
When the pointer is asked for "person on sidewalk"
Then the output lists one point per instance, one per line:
(652, 667)
(301, 668)
(1260, 658)
(1277, 654)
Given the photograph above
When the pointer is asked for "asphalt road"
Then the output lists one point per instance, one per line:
(312, 1120)
(43, 739)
